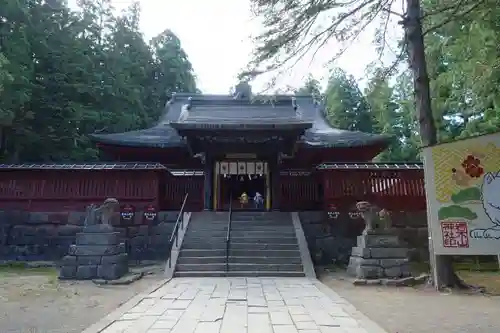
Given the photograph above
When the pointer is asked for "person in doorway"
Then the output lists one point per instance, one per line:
(258, 200)
(243, 199)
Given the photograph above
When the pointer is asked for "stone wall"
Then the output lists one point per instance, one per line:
(26, 236)
(331, 240)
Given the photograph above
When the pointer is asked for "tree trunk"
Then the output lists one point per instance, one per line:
(441, 266)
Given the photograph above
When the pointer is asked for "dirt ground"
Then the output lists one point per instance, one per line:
(35, 301)
(422, 310)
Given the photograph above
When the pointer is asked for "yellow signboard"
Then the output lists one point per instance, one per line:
(462, 181)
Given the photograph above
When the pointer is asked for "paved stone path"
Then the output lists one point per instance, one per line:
(239, 305)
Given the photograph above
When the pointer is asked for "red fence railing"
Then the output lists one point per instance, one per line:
(389, 189)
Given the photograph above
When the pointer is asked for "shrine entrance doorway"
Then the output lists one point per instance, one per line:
(235, 178)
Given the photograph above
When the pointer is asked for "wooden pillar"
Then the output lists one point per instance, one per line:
(208, 183)
(215, 194)
(275, 183)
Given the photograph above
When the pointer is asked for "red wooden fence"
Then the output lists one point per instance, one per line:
(58, 189)
(391, 189)
(299, 191)
(174, 188)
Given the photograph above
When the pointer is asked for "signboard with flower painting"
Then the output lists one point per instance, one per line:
(462, 181)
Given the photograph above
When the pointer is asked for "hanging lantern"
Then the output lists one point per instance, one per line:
(333, 212)
(150, 213)
(127, 213)
(241, 178)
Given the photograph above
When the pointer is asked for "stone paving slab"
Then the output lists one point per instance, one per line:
(246, 305)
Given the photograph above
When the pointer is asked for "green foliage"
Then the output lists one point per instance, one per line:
(382, 108)
(66, 74)
(346, 107)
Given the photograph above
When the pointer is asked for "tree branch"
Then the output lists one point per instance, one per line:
(455, 15)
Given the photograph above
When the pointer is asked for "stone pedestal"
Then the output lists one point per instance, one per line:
(97, 254)
(379, 254)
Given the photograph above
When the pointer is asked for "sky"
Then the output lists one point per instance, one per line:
(216, 35)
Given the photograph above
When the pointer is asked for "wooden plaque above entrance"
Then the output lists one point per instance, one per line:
(241, 168)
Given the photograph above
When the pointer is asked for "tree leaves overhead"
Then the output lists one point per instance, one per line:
(381, 108)
(66, 74)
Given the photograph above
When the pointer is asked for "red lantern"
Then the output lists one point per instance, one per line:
(332, 211)
(127, 212)
(150, 213)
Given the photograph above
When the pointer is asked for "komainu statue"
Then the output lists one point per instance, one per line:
(374, 217)
(105, 211)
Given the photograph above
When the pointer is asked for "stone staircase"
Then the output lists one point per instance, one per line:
(262, 244)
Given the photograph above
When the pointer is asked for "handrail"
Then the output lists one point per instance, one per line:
(179, 225)
(228, 234)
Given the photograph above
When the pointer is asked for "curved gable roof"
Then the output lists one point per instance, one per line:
(225, 109)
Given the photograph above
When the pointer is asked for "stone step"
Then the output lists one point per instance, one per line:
(241, 246)
(189, 239)
(237, 233)
(233, 267)
(238, 253)
(240, 224)
(238, 274)
(250, 229)
(240, 260)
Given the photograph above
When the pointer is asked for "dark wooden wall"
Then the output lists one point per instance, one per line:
(174, 188)
(300, 191)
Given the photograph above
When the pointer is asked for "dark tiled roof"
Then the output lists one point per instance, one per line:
(212, 111)
(84, 166)
(241, 114)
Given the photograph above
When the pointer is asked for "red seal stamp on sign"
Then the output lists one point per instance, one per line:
(455, 234)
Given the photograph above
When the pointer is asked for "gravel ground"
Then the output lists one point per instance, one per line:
(36, 302)
(410, 310)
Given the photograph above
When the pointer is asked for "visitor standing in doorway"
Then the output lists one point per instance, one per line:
(243, 199)
(258, 200)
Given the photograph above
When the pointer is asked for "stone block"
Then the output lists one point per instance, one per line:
(389, 252)
(114, 259)
(361, 252)
(163, 229)
(378, 240)
(68, 230)
(86, 272)
(38, 218)
(400, 271)
(88, 260)
(105, 238)
(76, 218)
(69, 261)
(96, 250)
(140, 242)
(67, 272)
(98, 228)
(363, 261)
(14, 217)
(111, 272)
(388, 263)
(139, 231)
(58, 218)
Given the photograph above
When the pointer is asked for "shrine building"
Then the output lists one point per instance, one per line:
(229, 145)
(201, 156)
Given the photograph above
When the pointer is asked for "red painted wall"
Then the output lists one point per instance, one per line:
(394, 190)
(73, 190)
